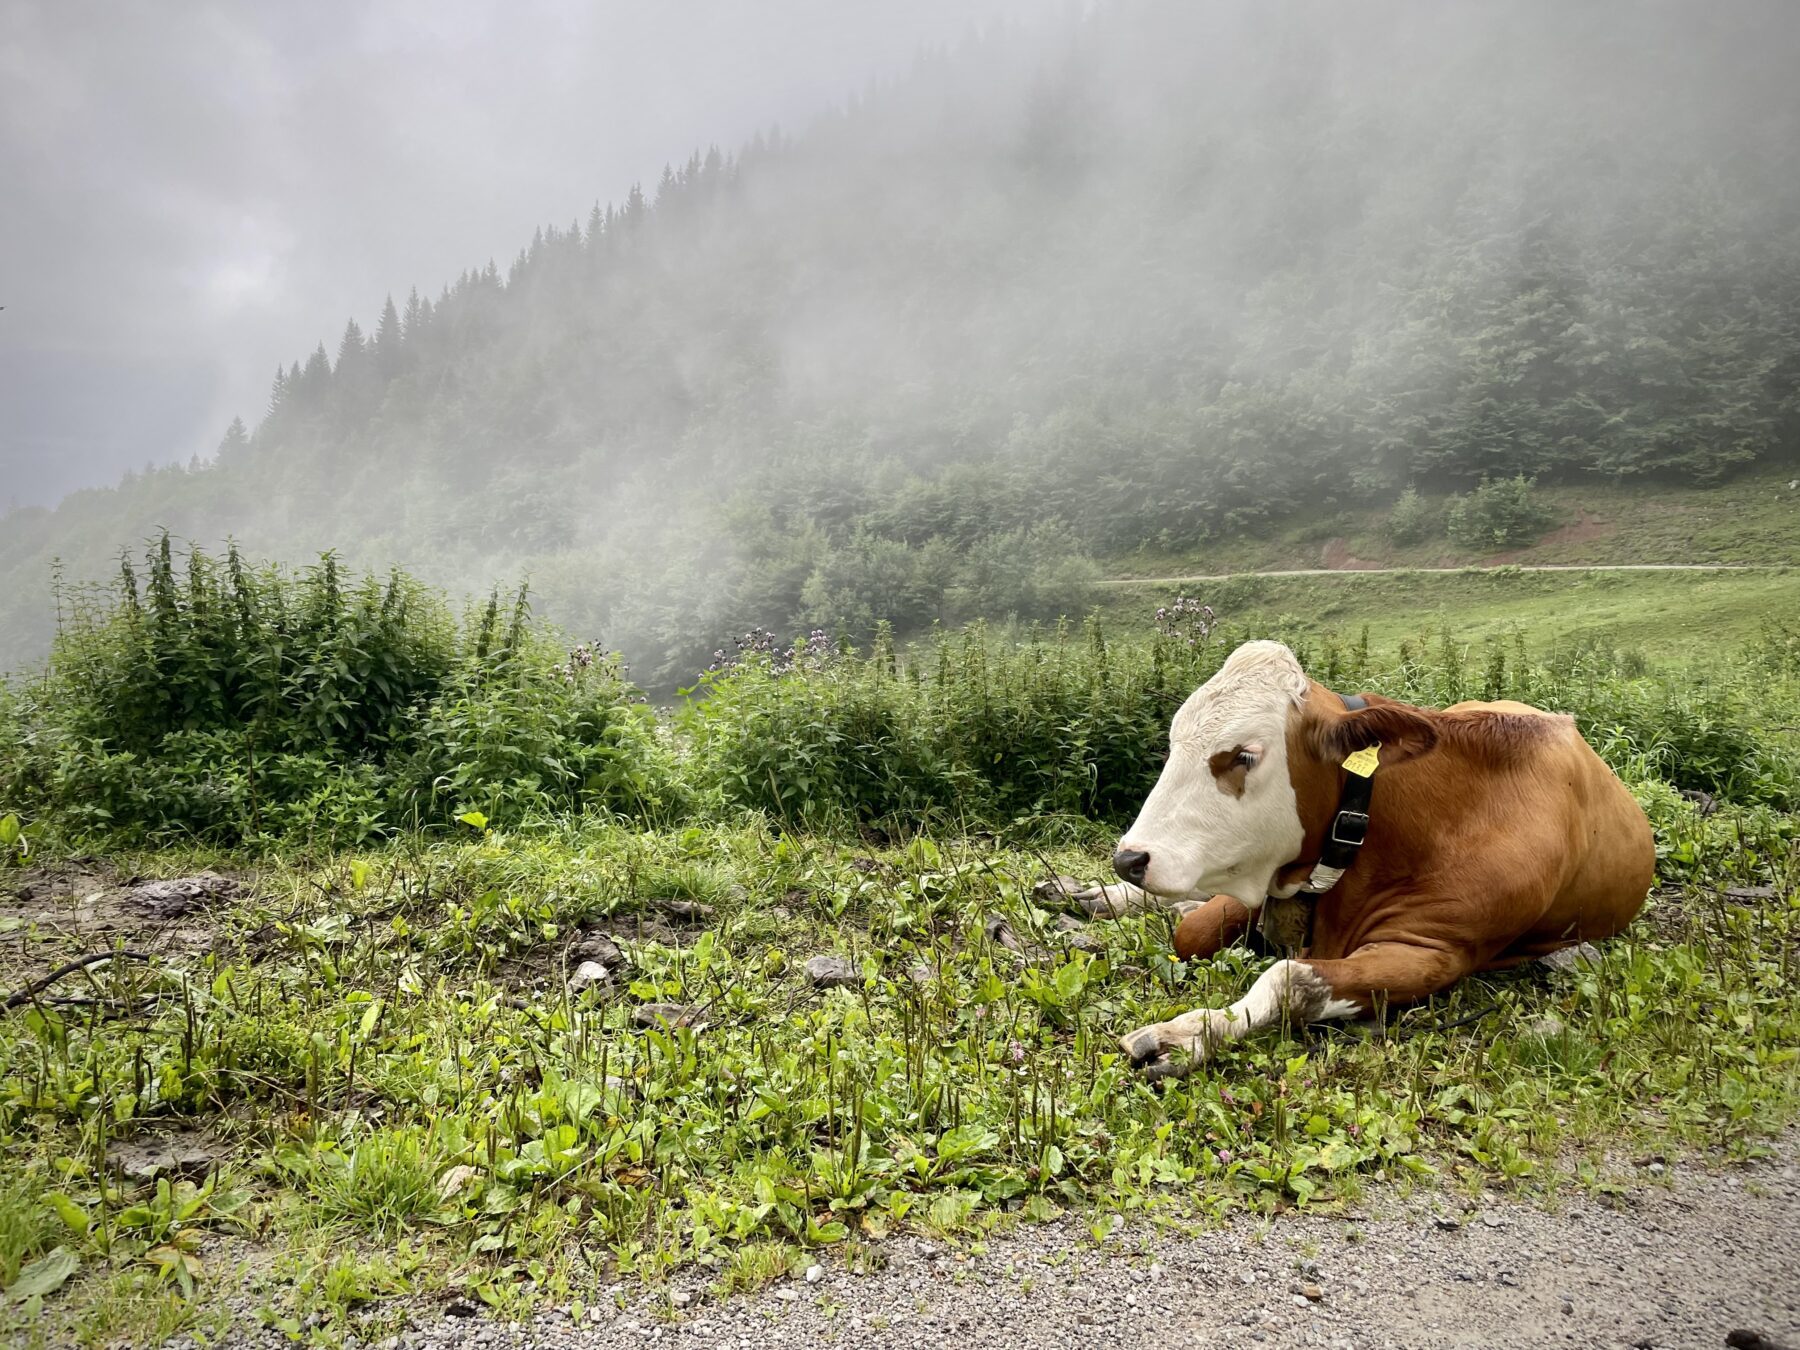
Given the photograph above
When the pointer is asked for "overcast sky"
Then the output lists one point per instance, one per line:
(192, 191)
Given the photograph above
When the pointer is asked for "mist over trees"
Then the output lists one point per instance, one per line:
(1154, 273)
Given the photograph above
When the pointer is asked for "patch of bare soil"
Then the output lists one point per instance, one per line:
(50, 915)
(608, 941)
(1585, 528)
(1337, 556)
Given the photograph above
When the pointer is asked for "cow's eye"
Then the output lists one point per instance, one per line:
(1245, 758)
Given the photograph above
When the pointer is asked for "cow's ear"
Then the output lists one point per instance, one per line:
(1400, 731)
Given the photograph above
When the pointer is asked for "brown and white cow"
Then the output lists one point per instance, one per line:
(1494, 835)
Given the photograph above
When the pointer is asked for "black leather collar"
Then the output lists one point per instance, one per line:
(1344, 839)
(1350, 826)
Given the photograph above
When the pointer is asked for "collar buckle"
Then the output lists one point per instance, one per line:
(1350, 828)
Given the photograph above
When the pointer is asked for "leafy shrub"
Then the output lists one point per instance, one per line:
(233, 702)
(984, 731)
(1501, 513)
(980, 731)
(1412, 520)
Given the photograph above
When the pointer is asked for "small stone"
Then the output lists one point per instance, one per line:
(685, 911)
(1493, 1220)
(919, 973)
(1750, 892)
(597, 947)
(788, 1295)
(1507, 1278)
(681, 1298)
(1448, 1223)
(830, 972)
(1312, 1293)
(588, 975)
(1704, 802)
(1571, 958)
(182, 895)
(815, 1273)
(1549, 1027)
(657, 1014)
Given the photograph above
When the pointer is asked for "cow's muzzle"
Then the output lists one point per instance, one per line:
(1130, 864)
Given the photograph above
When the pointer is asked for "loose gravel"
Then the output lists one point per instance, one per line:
(1690, 1252)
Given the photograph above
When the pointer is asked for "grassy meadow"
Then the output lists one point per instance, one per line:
(1754, 518)
(500, 988)
(1665, 617)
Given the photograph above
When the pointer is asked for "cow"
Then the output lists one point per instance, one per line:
(1430, 844)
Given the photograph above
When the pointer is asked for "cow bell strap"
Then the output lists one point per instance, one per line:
(1350, 826)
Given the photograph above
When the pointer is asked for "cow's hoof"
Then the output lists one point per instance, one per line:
(1097, 904)
(1142, 1046)
(1169, 1066)
(1056, 890)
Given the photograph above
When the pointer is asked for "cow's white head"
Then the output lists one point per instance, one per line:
(1223, 817)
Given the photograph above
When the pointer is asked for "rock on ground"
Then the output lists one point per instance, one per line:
(830, 972)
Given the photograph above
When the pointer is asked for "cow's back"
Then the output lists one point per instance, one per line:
(1608, 850)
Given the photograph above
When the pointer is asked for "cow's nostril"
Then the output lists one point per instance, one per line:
(1130, 863)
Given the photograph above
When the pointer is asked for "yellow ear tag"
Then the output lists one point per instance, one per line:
(1362, 763)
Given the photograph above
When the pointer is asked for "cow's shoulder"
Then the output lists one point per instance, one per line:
(1504, 733)
(1508, 706)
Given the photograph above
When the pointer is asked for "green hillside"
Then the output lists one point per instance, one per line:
(1205, 287)
(1671, 617)
(1752, 519)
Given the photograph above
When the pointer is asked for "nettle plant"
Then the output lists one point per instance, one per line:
(213, 699)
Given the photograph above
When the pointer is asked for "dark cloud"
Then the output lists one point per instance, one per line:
(196, 192)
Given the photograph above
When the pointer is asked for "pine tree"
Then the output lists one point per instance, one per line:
(315, 381)
(351, 349)
(387, 341)
(236, 440)
(418, 314)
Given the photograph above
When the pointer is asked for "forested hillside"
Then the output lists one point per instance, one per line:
(1134, 278)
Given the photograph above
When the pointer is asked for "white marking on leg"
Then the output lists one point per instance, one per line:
(1122, 898)
(1293, 988)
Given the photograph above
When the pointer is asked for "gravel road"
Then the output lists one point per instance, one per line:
(1432, 571)
(1691, 1252)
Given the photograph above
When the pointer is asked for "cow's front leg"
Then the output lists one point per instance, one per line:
(1110, 901)
(1296, 992)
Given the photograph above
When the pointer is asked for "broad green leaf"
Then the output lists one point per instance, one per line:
(43, 1276)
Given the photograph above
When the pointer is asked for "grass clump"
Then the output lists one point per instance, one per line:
(230, 703)
(386, 1182)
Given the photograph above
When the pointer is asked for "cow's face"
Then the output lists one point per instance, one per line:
(1223, 816)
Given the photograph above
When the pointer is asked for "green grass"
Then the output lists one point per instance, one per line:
(407, 1092)
(1666, 616)
(1751, 519)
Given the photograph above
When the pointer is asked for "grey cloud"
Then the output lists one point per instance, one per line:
(195, 192)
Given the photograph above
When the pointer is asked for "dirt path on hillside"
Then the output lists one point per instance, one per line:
(1690, 1253)
(1361, 571)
